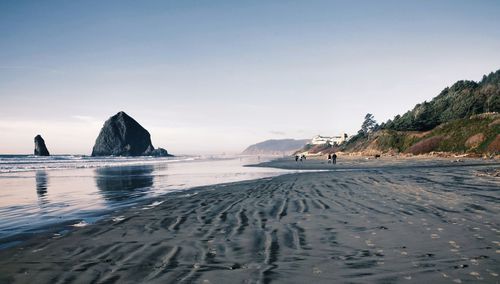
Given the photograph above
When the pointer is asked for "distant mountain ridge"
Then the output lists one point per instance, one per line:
(276, 147)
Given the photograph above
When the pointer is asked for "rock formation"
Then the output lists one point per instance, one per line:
(159, 152)
(40, 148)
(121, 135)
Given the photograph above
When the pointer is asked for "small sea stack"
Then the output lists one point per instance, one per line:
(40, 148)
(121, 135)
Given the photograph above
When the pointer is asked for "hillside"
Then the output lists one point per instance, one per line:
(461, 100)
(462, 119)
(275, 147)
(479, 134)
(321, 149)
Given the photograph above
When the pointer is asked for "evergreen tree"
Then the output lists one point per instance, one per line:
(369, 124)
(461, 100)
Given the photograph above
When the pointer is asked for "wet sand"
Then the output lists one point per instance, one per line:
(406, 223)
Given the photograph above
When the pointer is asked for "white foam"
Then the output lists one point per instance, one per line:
(80, 224)
(23, 163)
(118, 218)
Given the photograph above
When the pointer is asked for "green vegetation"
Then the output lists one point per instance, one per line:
(475, 135)
(394, 140)
(369, 125)
(463, 99)
(462, 119)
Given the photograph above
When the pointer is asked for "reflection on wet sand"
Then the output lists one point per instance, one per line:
(41, 179)
(121, 183)
(417, 224)
(35, 199)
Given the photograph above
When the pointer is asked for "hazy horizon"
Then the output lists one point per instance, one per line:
(217, 76)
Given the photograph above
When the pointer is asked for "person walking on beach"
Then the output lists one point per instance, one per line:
(329, 158)
(334, 158)
(296, 158)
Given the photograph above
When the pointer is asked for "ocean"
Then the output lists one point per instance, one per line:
(40, 193)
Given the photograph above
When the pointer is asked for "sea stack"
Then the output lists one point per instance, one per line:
(40, 148)
(121, 135)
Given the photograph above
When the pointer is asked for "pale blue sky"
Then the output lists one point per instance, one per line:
(215, 76)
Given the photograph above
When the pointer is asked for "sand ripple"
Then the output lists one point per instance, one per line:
(375, 226)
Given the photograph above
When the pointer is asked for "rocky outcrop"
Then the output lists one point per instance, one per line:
(159, 152)
(40, 148)
(121, 135)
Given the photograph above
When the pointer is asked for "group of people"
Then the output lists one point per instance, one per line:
(332, 158)
(301, 158)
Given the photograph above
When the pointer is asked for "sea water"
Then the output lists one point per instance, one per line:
(39, 193)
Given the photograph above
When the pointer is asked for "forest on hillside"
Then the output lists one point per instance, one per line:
(463, 99)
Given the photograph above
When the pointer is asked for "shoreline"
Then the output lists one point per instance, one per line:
(52, 200)
(67, 226)
(58, 230)
(370, 163)
(277, 229)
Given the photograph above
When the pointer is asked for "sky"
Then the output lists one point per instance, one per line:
(216, 76)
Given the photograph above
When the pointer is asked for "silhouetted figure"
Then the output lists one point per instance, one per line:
(304, 157)
(334, 158)
(296, 158)
(329, 158)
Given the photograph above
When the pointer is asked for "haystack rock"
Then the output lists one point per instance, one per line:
(40, 148)
(121, 135)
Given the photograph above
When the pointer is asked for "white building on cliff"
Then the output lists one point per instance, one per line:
(332, 140)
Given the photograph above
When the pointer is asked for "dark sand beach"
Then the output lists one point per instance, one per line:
(391, 222)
